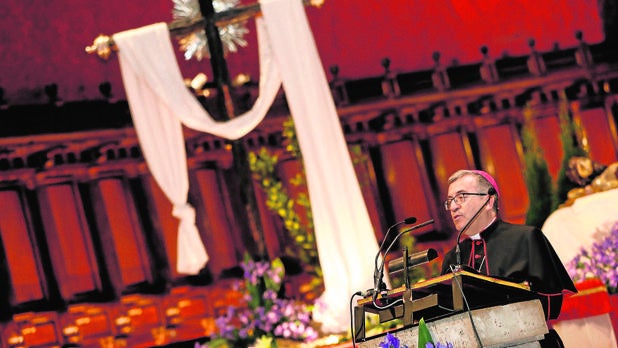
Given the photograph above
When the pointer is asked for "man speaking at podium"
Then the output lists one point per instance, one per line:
(500, 249)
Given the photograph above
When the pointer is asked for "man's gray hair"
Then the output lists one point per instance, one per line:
(484, 184)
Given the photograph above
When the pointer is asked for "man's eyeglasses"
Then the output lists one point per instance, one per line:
(460, 198)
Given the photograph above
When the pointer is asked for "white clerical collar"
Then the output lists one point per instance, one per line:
(478, 235)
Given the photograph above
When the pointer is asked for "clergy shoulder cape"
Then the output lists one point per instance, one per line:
(160, 104)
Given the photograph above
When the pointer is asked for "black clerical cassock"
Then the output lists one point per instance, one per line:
(517, 253)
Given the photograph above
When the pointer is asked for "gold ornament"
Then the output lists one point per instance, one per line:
(103, 45)
(194, 43)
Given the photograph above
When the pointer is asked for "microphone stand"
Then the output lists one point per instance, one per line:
(377, 280)
(457, 248)
(380, 271)
(405, 268)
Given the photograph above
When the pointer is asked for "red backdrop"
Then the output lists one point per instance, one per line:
(43, 43)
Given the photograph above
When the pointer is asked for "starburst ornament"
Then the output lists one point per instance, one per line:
(195, 43)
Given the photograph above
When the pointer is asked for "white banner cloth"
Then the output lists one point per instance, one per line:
(159, 103)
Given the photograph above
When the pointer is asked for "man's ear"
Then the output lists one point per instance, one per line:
(490, 204)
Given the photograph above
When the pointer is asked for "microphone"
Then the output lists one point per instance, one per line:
(416, 259)
(490, 192)
(376, 281)
(416, 227)
(380, 271)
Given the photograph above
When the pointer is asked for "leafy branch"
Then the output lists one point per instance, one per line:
(263, 166)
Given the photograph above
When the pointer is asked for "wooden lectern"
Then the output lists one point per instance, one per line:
(463, 308)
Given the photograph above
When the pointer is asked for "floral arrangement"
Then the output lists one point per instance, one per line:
(424, 339)
(599, 261)
(266, 316)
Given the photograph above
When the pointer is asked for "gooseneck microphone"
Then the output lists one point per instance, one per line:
(380, 270)
(491, 192)
(376, 279)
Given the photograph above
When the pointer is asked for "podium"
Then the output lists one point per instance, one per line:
(463, 308)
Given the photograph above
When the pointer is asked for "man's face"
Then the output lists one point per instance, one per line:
(462, 213)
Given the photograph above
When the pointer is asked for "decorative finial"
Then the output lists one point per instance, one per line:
(103, 45)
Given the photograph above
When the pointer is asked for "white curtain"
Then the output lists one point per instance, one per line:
(345, 238)
(160, 103)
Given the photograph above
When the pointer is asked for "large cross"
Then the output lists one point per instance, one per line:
(210, 21)
(225, 103)
(341, 192)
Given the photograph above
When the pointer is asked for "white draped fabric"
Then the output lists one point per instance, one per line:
(345, 238)
(161, 138)
(587, 220)
(160, 104)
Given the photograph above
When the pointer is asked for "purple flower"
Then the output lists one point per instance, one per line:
(438, 345)
(246, 297)
(311, 334)
(391, 341)
(283, 330)
(269, 295)
(261, 268)
(275, 275)
(288, 309)
(297, 328)
(243, 332)
(599, 261)
(304, 316)
(273, 317)
(225, 329)
(266, 314)
(245, 317)
(248, 268)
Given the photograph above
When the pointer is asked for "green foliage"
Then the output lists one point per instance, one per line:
(291, 142)
(424, 336)
(536, 174)
(546, 196)
(219, 343)
(278, 200)
(569, 149)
